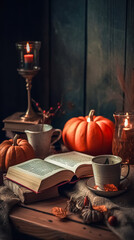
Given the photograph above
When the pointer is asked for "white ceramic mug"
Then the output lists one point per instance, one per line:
(107, 170)
(40, 137)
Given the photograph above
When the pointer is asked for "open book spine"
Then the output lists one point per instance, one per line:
(27, 196)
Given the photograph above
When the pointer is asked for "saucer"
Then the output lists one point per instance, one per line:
(122, 188)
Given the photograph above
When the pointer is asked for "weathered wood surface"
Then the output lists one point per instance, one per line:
(37, 220)
(106, 33)
(129, 58)
(84, 44)
(68, 20)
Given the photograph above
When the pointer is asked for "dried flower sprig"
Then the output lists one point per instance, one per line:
(128, 89)
(47, 115)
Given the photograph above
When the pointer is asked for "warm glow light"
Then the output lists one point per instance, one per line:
(28, 47)
(88, 119)
(126, 121)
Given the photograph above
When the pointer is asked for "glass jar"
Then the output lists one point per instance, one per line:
(123, 138)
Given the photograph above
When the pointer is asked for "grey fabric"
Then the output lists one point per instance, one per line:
(7, 201)
(121, 206)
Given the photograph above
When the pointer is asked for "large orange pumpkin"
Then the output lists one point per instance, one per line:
(90, 134)
(14, 151)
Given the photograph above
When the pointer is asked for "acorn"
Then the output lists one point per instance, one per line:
(112, 220)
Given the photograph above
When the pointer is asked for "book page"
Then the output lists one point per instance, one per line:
(38, 167)
(70, 160)
(38, 175)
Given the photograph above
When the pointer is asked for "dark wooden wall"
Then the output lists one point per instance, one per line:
(85, 45)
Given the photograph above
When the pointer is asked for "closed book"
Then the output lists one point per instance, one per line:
(27, 196)
(15, 123)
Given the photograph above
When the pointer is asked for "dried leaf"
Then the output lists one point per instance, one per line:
(95, 187)
(110, 188)
(100, 208)
(59, 212)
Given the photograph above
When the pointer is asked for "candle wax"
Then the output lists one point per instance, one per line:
(28, 61)
(28, 58)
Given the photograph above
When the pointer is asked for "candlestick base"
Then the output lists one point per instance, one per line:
(30, 116)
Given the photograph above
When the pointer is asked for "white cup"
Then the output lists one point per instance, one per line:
(107, 170)
(40, 138)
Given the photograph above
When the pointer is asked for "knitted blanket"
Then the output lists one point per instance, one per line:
(7, 201)
(121, 206)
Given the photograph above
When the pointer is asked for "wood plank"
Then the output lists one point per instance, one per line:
(67, 57)
(47, 205)
(46, 226)
(105, 55)
(129, 74)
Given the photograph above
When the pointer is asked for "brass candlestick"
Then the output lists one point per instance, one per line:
(28, 75)
(28, 67)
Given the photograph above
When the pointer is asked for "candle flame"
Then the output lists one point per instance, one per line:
(126, 122)
(28, 47)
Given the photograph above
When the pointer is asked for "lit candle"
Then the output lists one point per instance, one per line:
(128, 140)
(127, 124)
(28, 58)
(127, 129)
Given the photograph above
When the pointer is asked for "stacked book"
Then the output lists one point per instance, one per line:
(27, 196)
(37, 179)
(16, 124)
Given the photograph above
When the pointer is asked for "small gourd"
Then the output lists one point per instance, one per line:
(75, 205)
(90, 215)
(82, 205)
(14, 151)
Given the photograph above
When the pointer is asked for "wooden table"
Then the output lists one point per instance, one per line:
(38, 221)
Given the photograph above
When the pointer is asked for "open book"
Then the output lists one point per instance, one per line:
(38, 174)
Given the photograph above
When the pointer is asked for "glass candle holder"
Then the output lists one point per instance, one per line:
(28, 55)
(123, 138)
(28, 67)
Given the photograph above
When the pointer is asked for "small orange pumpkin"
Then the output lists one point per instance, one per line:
(90, 134)
(14, 151)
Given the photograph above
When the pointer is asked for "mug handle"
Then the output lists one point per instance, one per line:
(125, 164)
(58, 137)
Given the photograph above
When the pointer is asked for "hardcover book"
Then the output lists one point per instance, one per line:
(38, 175)
(15, 123)
(27, 196)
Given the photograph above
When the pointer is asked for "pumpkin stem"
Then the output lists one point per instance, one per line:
(15, 140)
(91, 114)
